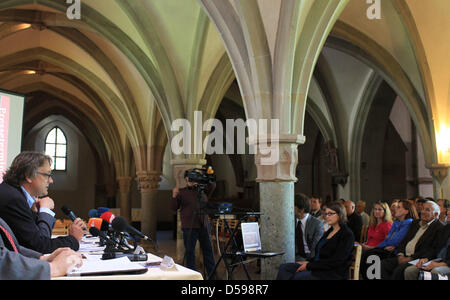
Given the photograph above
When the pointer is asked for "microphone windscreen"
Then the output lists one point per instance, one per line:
(119, 224)
(95, 222)
(93, 213)
(94, 231)
(102, 210)
(108, 217)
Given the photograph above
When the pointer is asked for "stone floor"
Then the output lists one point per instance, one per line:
(167, 246)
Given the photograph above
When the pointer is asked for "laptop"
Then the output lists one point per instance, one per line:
(252, 241)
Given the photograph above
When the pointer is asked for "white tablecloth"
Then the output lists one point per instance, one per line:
(90, 249)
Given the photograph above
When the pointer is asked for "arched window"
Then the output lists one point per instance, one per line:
(56, 148)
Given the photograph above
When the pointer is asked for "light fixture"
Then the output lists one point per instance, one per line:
(439, 171)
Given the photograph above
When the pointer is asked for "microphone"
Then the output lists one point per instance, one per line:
(121, 225)
(96, 232)
(98, 223)
(131, 256)
(108, 217)
(68, 212)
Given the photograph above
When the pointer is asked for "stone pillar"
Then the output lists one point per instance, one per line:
(125, 201)
(148, 188)
(276, 185)
(179, 166)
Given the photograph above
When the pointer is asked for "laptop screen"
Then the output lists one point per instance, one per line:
(250, 236)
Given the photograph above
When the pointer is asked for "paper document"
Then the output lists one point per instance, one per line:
(110, 266)
(414, 262)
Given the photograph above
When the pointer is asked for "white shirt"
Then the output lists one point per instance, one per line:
(31, 200)
(303, 221)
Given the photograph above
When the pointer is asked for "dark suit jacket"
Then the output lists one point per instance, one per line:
(24, 265)
(424, 246)
(335, 257)
(32, 230)
(355, 224)
(314, 232)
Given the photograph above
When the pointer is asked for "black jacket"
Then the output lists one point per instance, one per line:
(424, 246)
(335, 256)
(32, 230)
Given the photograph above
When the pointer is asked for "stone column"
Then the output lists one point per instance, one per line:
(179, 166)
(276, 184)
(125, 201)
(148, 188)
(439, 173)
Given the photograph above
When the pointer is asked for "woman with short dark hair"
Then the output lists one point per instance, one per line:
(333, 252)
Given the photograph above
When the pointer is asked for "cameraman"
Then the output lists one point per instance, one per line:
(195, 226)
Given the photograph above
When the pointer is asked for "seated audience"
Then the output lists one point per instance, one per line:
(444, 206)
(404, 215)
(316, 201)
(333, 255)
(323, 219)
(379, 225)
(439, 261)
(308, 229)
(361, 210)
(17, 262)
(394, 206)
(354, 220)
(416, 244)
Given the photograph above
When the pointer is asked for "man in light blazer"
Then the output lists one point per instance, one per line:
(308, 229)
(20, 263)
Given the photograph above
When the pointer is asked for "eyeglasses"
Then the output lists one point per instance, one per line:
(329, 214)
(46, 174)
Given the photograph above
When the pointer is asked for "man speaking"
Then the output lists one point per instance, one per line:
(31, 217)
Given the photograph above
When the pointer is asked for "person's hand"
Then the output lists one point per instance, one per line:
(63, 261)
(421, 262)
(54, 254)
(46, 202)
(403, 260)
(434, 264)
(175, 192)
(76, 230)
(389, 248)
(302, 266)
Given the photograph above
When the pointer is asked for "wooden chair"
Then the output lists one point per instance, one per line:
(61, 227)
(354, 268)
(364, 230)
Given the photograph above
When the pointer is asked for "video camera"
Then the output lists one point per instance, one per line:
(201, 176)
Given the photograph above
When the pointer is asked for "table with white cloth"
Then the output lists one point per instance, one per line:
(91, 251)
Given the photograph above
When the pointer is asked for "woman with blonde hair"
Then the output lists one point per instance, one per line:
(379, 225)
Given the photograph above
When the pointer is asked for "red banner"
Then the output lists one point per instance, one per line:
(4, 127)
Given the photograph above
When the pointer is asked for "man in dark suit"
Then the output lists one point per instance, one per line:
(417, 243)
(31, 218)
(354, 220)
(308, 229)
(20, 263)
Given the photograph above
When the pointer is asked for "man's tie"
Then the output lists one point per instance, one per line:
(9, 237)
(299, 238)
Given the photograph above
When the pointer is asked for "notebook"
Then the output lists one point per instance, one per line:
(252, 241)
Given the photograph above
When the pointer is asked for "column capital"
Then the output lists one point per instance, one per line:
(148, 181)
(278, 161)
(124, 183)
(439, 171)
